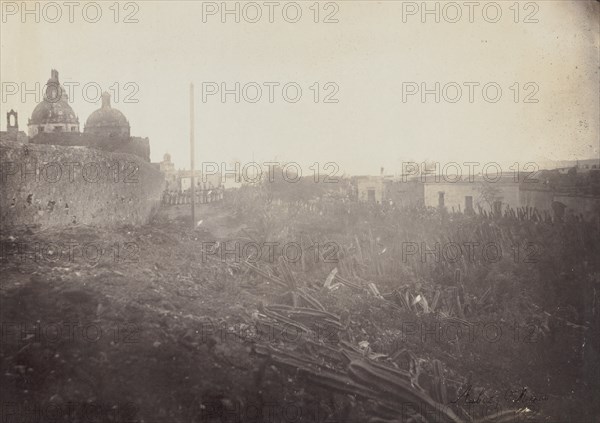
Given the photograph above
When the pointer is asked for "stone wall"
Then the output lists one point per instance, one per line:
(405, 194)
(50, 185)
(585, 206)
(455, 195)
(130, 145)
(539, 199)
(14, 136)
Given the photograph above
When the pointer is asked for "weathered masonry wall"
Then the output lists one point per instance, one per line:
(588, 207)
(130, 145)
(455, 194)
(52, 185)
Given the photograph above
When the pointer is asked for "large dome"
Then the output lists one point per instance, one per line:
(47, 112)
(54, 112)
(107, 121)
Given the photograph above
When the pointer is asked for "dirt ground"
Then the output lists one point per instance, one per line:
(139, 325)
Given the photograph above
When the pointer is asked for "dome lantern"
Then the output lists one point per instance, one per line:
(105, 100)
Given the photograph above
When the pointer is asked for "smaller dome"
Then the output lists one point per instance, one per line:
(107, 121)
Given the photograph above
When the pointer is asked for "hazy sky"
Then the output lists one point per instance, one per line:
(372, 52)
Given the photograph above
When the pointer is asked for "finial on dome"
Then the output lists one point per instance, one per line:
(54, 74)
(105, 100)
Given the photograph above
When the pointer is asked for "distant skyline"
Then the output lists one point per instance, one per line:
(370, 58)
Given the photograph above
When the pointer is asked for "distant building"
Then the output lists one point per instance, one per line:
(369, 188)
(402, 192)
(584, 166)
(181, 180)
(565, 195)
(167, 168)
(465, 195)
(203, 182)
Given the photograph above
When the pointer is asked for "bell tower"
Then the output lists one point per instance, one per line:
(12, 122)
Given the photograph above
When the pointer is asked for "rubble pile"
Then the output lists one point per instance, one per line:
(355, 324)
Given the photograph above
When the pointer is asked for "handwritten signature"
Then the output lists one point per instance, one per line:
(522, 396)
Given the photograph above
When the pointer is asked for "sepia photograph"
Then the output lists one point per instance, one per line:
(309, 211)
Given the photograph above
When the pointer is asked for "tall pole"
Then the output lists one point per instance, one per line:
(192, 154)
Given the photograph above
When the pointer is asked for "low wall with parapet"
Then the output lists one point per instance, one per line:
(130, 145)
(586, 206)
(50, 185)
